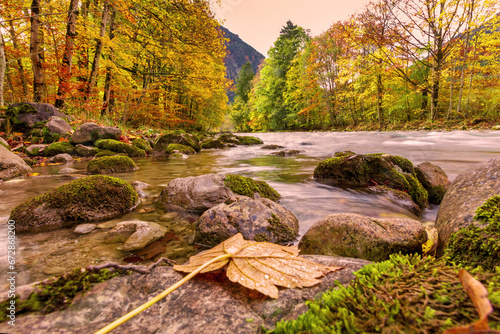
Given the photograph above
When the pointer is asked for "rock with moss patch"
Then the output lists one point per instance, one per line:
(212, 144)
(111, 164)
(135, 234)
(361, 170)
(88, 199)
(478, 245)
(119, 147)
(434, 180)
(466, 194)
(88, 133)
(62, 158)
(287, 153)
(58, 125)
(142, 144)
(206, 191)
(249, 140)
(257, 219)
(363, 237)
(85, 151)
(24, 116)
(11, 165)
(35, 150)
(230, 138)
(4, 143)
(58, 148)
(179, 148)
(272, 147)
(176, 137)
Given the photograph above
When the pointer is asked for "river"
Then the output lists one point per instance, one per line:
(40, 256)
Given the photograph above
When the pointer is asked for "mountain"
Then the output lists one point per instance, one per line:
(239, 54)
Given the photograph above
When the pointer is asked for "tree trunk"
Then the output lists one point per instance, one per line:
(20, 66)
(3, 67)
(36, 53)
(464, 62)
(98, 51)
(83, 54)
(452, 81)
(108, 99)
(436, 81)
(380, 92)
(470, 79)
(65, 71)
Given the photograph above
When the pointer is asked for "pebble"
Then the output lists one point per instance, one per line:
(84, 228)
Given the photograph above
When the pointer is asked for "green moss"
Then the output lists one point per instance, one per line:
(212, 144)
(176, 137)
(405, 164)
(249, 140)
(49, 137)
(246, 186)
(436, 194)
(119, 147)
(181, 148)
(142, 144)
(106, 153)
(417, 191)
(30, 162)
(406, 294)
(281, 232)
(344, 154)
(58, 148)
(59, 294)
(86, 199)
(475, 245)
(111, 164)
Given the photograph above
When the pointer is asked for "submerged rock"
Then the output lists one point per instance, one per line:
(434, 180)
(257, 219)
(287, 153)
(84, 228)
(468, 192)
(362, 237)
(135, 235)
(88, 199)
(11, 165)
(205, 304)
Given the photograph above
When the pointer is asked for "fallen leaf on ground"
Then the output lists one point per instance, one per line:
(260, 266)
(479, 296)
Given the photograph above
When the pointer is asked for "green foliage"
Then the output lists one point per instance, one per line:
(246, 186)
(58, 295)
(58, 148)
(244, 82)
(406, 294)
(119, 147)
(476, 246)
(111, 164)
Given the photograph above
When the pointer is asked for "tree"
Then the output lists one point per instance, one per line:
(37, 54)
(244, 82)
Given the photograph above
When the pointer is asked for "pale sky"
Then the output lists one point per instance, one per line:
(258, 22)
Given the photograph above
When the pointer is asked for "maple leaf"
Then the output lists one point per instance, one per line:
(259, 266)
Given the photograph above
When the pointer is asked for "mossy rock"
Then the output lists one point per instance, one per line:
(120, 147)
(143, 144)
(59, 148)
(111, 164)
(177, 137)
(88, 199)
(249, 140)
(405, 164)
(417, 191)
(49, 137)
(183, 149)
(405, 294)
(229, 138)
(475, 245)
(107, 153)
(212, 144)
(246, 186)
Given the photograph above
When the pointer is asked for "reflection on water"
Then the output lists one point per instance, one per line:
(291, 176)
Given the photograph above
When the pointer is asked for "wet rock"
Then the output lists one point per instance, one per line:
(205, 304)
(90, 132)
(179, 148)
(4, 143)
(212, 144)
(85, 151)
(257, 219)
(434, 180)
(468, 191)
(229, 138)
(140, 187)
(88, 199)
(361, 170)
(399, 197)
(112, 164)
(84, 228)
(11, 165)
(58, 125)
(26, 115)
(119, 147)
(271, 147)
(135, 234)
(186, 139)
(35, 150)
(63, 158)
(362, 237)
(287, 153)
(142, 144)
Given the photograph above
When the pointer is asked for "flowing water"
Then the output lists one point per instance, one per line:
(45, 254)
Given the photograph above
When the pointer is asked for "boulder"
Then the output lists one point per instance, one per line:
(203, 192)
(111, 164)
(35, 150)
(399, 197)
(135, 235)
(65, 171)
(179, 148)
(120, 147)
(434, 180)
(363, 237)
(176, 137)
(58, 125)
(205, 304)
(142, 144)
(85, 200)
(467, 192)
(4, 143)
(12, 165)
(58, 148)
(257, 219)
(85, 151)
(230, 138)
(26, 115)
(212, 144)
(140, 187)
(84, 229)
(90, 132)
(63, 158)
(351, 170)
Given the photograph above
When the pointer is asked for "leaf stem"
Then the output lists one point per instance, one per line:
(162, 295)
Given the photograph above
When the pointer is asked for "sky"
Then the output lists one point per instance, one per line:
(258, 22)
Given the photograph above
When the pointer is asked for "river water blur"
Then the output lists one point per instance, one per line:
(454, 151)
